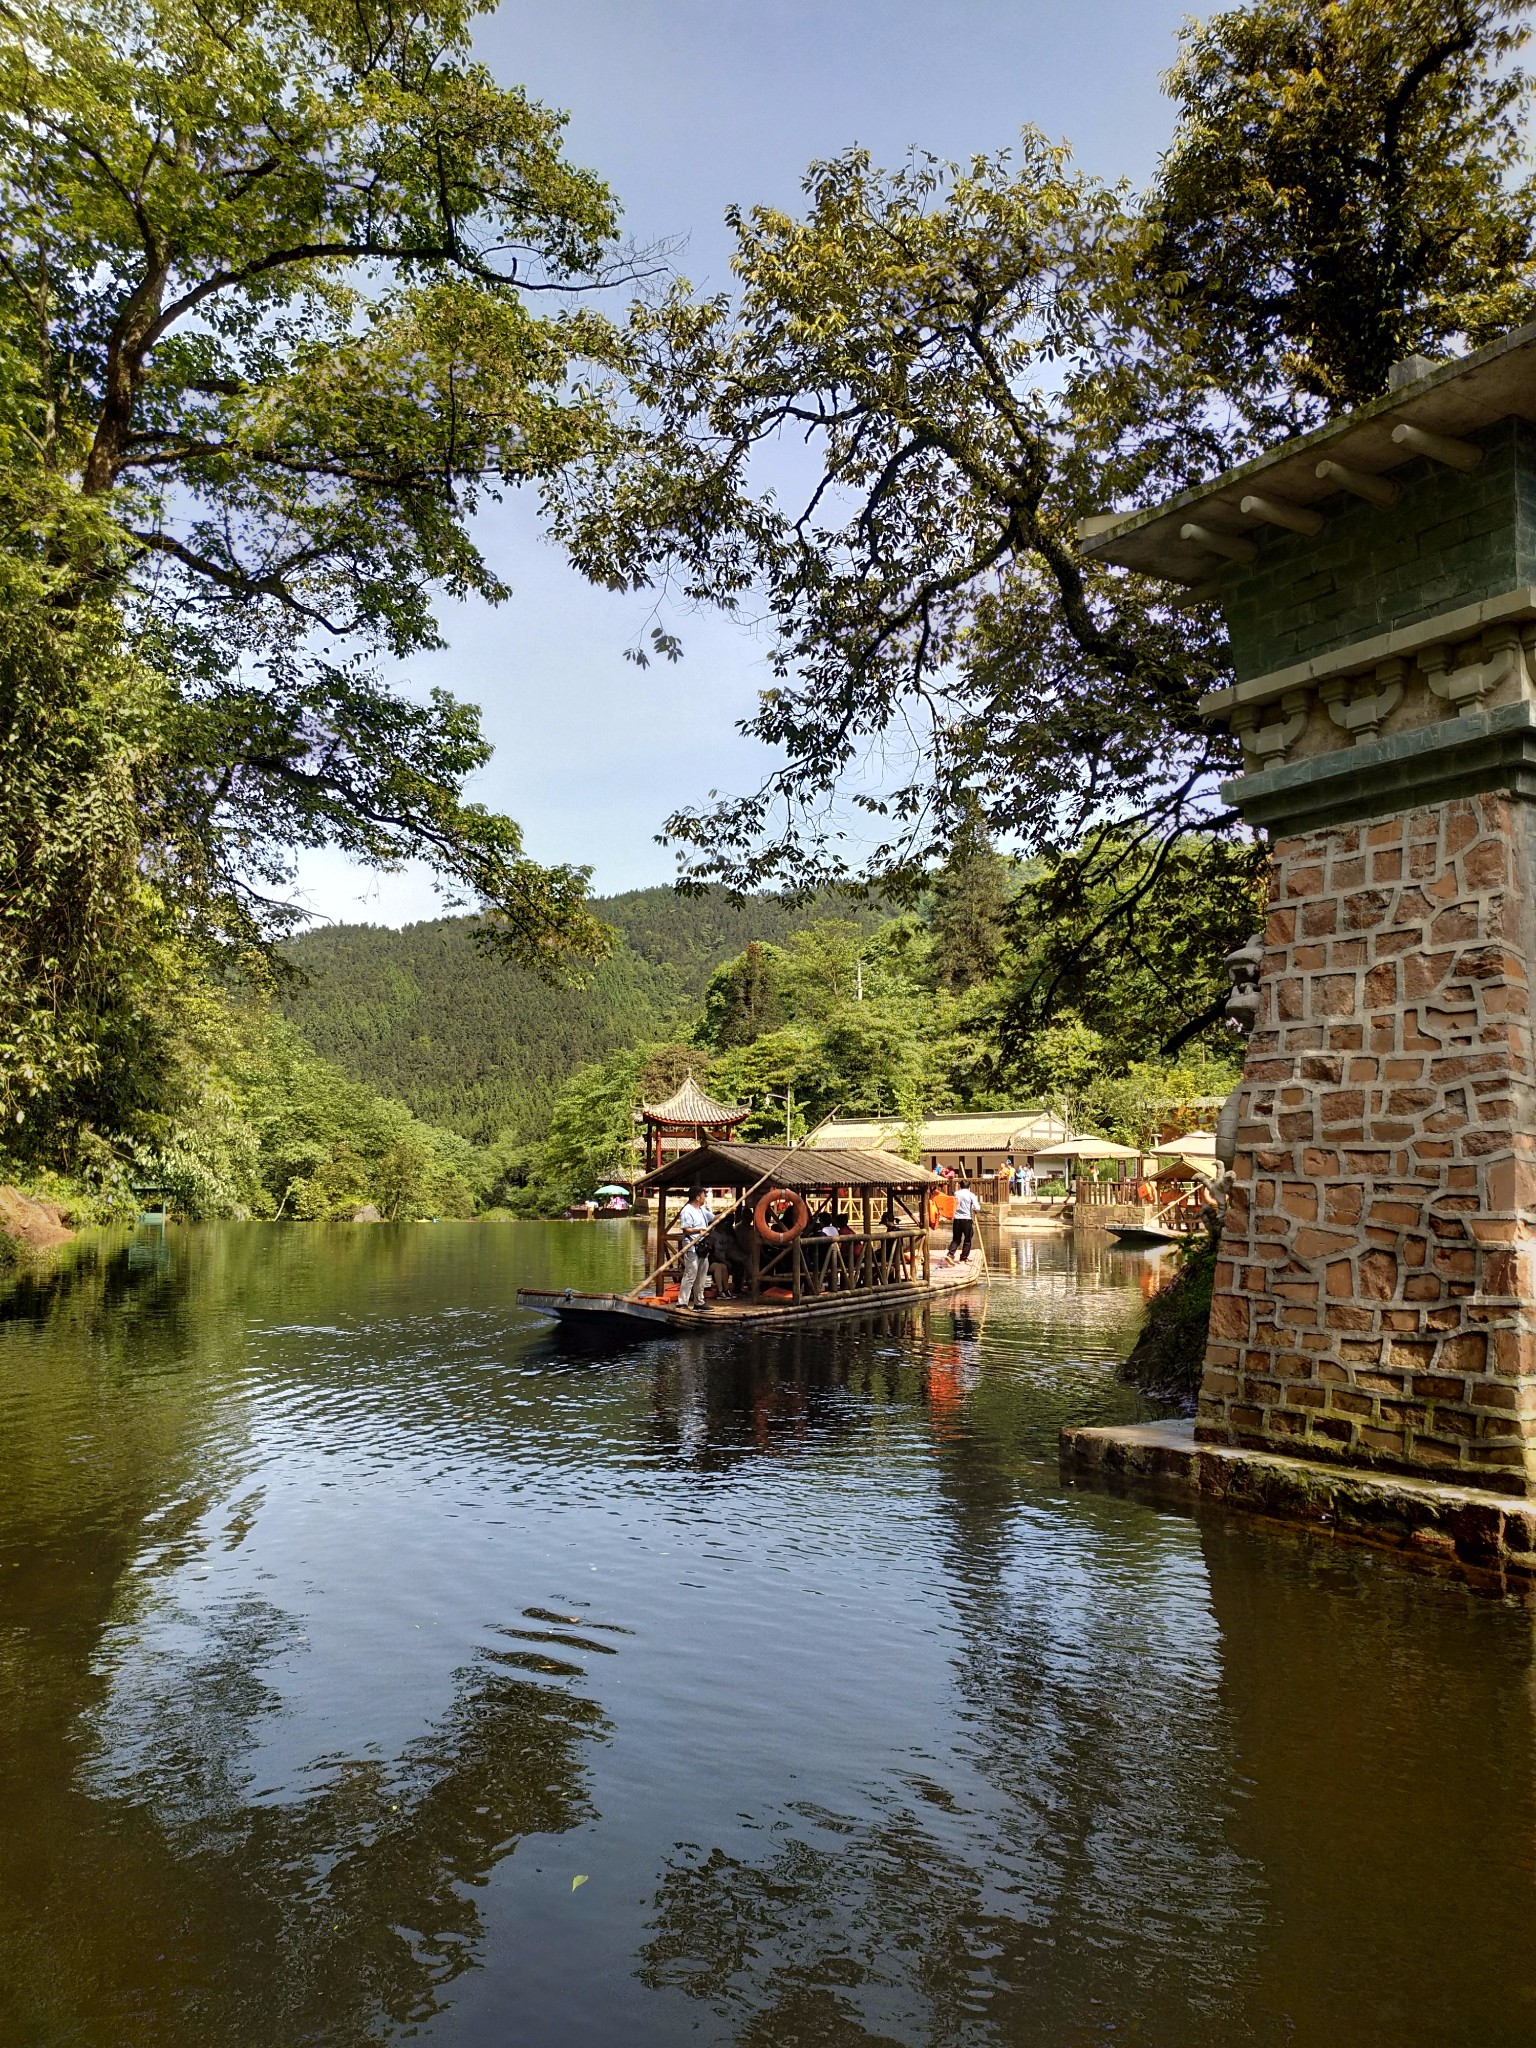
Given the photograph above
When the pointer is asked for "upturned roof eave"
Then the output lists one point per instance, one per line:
(689, 1108)
(1455, 398)
(728, 1118)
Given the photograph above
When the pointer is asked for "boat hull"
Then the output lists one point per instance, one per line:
(609, 1311)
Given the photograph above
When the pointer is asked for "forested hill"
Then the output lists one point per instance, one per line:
(482, 1047)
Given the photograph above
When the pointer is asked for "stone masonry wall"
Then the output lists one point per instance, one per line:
(1375, 1299)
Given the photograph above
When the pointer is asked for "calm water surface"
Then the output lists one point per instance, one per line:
(374, 1666)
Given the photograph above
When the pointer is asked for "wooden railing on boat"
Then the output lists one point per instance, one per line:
(853, 1262)
(1184, 1213)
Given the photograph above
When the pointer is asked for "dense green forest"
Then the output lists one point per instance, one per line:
(481, 1046)
(982, 993)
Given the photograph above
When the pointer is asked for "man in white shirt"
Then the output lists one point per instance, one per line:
(967, 1203)
(696, 1222)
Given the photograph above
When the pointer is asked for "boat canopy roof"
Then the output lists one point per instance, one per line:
(811, 1170)
(690, 1109)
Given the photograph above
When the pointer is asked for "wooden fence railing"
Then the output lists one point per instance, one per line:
(1104, 1194)
(847, 1264)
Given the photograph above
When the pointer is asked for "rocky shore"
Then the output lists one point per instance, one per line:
(29, 1223)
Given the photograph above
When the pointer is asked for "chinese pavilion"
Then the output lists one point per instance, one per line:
(686, 1119)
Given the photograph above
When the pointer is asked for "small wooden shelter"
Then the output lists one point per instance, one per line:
(879, 1203)
(687, 1118)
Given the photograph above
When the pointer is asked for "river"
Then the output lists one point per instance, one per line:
(376, 1666)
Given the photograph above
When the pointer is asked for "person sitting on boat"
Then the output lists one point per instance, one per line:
(963, 1233)
(727, 1257)
(695, 1222)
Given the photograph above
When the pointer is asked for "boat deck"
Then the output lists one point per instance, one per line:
(570, 1304)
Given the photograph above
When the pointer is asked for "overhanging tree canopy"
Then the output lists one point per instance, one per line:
(275, 280)
(954, 366)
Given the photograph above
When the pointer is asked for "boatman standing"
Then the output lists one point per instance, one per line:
(696, 1222)
(967, 1202)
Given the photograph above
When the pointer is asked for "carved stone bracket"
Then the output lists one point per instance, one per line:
(1360, 703)
(1268, 745)
(1243, 969)
(1504, 657)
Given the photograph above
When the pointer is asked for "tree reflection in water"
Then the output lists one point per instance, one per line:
(1069, 1861)
(153, 1893)
(301, 1541)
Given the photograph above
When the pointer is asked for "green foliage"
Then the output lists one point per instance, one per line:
(743, 998)
(969, 906)
(969, 359)
(1169, 1354)
(974, 362)
(1062, 1062)
(833, 1018)
(1139, 1106)
(482, 1046)
(89, 966)
(1129, 932)
(268, 339)
(251, 1123)
(1346, 187)
(593, 1136)
(327, 1145)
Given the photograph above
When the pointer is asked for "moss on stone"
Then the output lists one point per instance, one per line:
(1170, 1351)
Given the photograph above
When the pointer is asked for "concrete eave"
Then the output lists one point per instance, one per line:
(1457, 757)
(1455, 399)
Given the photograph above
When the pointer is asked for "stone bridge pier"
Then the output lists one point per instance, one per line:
(1375, 1301)
(1376, 1294)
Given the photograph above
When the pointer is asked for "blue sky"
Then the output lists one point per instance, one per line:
(686, 106)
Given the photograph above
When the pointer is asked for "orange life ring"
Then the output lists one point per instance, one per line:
(770, 1207)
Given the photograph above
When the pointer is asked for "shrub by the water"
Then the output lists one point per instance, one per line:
(1170, 1351)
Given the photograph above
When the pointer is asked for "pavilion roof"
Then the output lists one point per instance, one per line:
(808, 1168)
(690, 1109)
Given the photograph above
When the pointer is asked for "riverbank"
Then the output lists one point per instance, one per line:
(30, 1223)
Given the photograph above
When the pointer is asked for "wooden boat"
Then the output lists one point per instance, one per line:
(1180, 1213)
(1137, 1236)
(880, 1257)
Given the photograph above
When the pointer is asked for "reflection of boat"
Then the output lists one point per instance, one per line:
(837, 1260)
